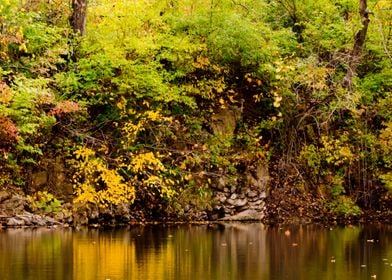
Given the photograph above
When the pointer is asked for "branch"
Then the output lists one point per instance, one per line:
(359, 41)
(241, 5)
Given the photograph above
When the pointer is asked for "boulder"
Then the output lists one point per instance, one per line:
(38, 220)
(51, 222)
(26, 217)
(246, 215)
(221, 184)
(263, 195)
(223, 122)
(13, 205)
(252, 194)
(231, 201)
(240, 202)
(15, 222)
(258, 202)
(221, 197)
(258, 177)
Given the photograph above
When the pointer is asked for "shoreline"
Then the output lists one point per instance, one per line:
(16, 212)
(31, 220)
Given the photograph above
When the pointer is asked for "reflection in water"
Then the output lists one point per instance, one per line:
(230, 251)
(186, 252)
(35, 254)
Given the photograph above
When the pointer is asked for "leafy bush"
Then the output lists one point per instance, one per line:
(95, 183)
(344, 206)
(44, 202)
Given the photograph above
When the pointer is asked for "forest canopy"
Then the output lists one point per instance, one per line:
(154, 103)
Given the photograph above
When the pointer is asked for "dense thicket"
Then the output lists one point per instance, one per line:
(160, 101)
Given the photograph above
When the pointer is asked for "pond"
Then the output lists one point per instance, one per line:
(220, 251)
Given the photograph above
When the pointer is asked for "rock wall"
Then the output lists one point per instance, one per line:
(245, 202)
(52, 176)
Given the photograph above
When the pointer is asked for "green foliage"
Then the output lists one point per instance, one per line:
(166, 96)
(44, 202)
(387, 180)
(344, 206)
(31, 51)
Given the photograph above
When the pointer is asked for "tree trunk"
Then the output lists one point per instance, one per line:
(359, 41)
(78, 17)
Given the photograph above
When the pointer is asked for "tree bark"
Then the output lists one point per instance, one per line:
(359, 41)
(78, 17)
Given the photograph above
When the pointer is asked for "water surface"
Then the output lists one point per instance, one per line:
(230, 251)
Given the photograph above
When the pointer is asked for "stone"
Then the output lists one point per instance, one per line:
(213, 217)
(13, 206)
(242, 208)
(202, 215)
(240, 202)
(93, 213)
(38, 220)
(222, 199)
(246, 215)
(223, 122)
(51, 175)
(258, 202)
(252, 194)
(226, 190)
(26, 217)
(15, 222)
(231, 201)
(263, 195)
(4, 195)
(254, 199)
(233, 196)
(220, 196)
(221, 183)
(80, 219)
(50, 221)
(122, 210)
(258, 207)
(258, 176)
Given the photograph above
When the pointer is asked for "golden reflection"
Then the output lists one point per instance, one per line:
(222, 252)
(229, 251)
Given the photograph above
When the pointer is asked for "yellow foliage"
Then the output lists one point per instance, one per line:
(336, 152)
(122, 105)
(131, 129)
(277, 100)
(146, 161)
(95, 183)
(201, 62)
(152, 173)
(164, 187)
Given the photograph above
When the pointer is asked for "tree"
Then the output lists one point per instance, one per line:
(359, 41)
(78, 17)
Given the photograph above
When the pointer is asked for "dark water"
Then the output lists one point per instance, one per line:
(232, 251)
